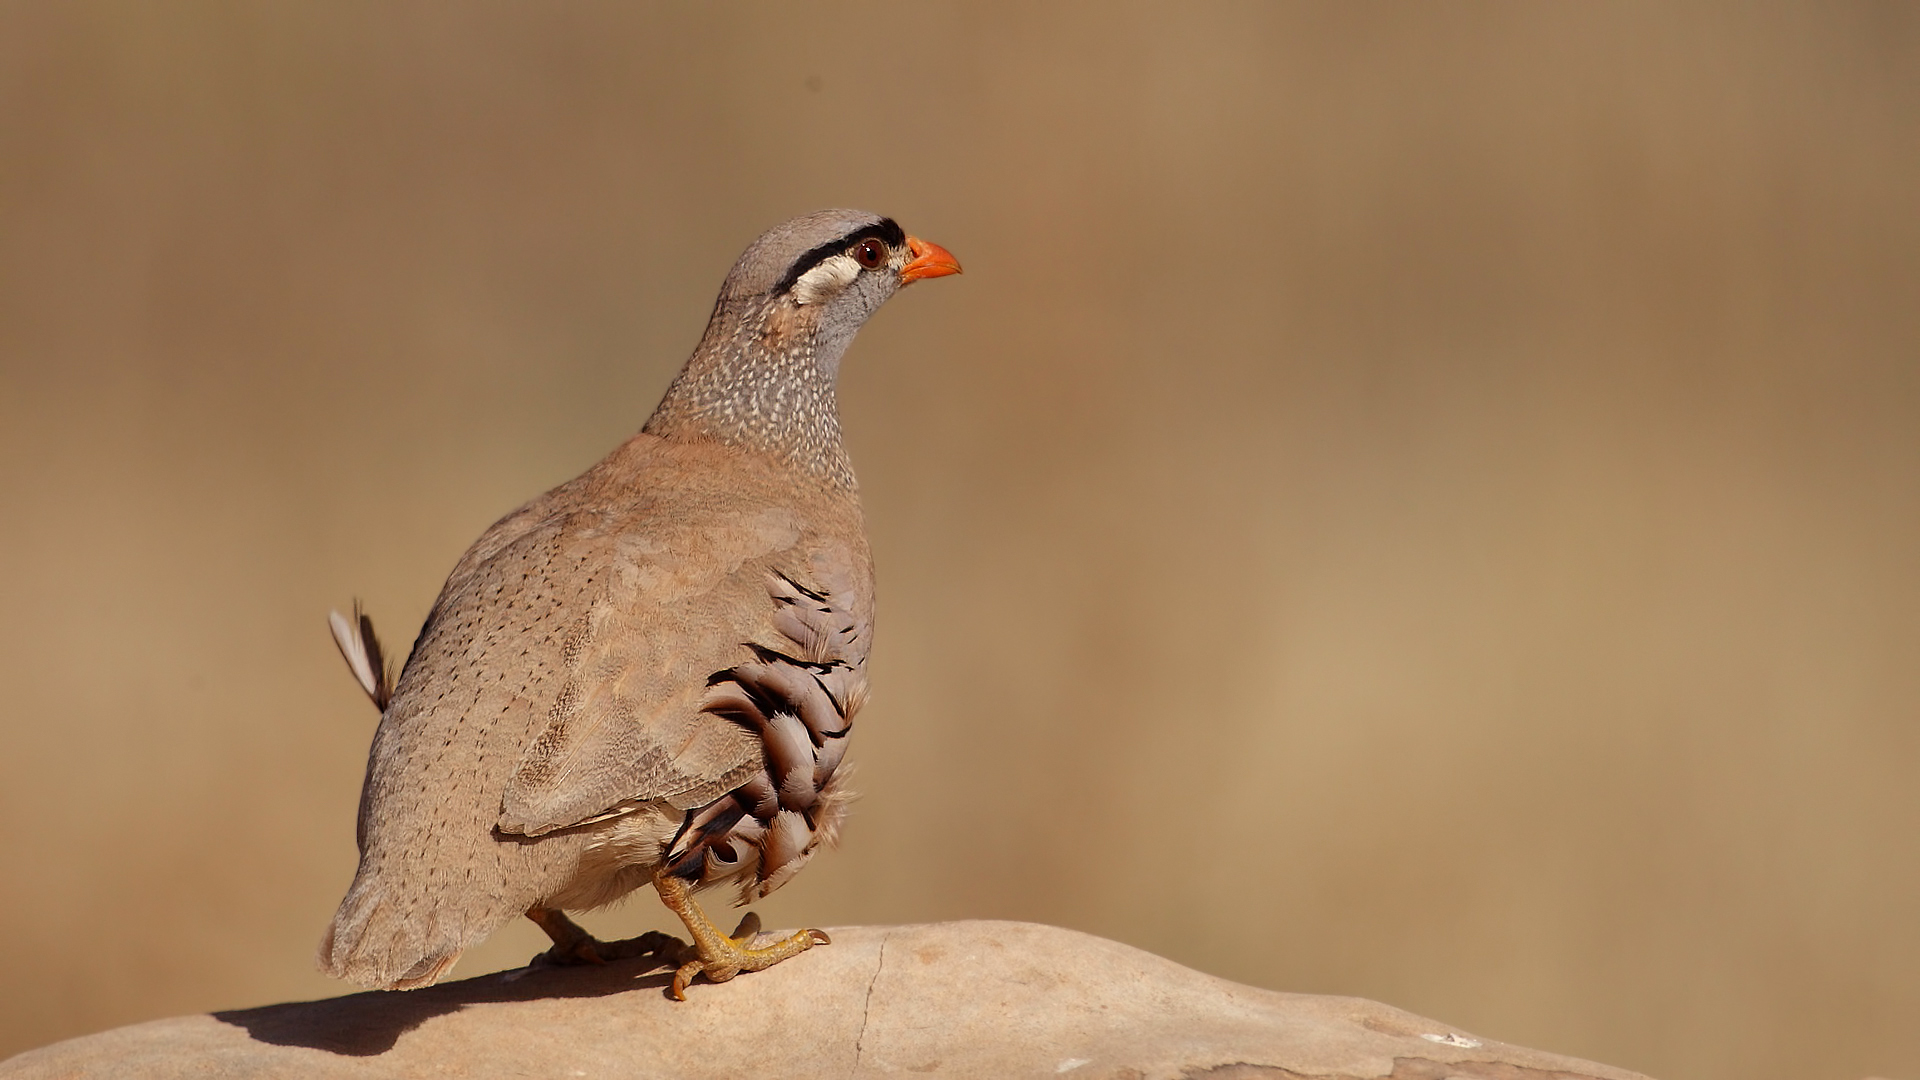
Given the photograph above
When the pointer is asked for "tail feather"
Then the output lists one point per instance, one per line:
(360, 647)
(374, 945)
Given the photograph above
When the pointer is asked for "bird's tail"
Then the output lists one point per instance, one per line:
(375, 944)
(360, 647)
(377, 939)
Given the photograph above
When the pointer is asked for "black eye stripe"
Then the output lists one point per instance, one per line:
(885, 231)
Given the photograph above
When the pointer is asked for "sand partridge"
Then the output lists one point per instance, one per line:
(648, 674)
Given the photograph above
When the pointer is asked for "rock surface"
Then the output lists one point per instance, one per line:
(966, 999)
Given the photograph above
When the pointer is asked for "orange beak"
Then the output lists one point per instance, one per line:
(929, 260)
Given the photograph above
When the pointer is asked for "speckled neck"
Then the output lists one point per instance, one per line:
(762, 378)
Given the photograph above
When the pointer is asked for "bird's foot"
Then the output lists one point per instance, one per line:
(730, 955)
(571, 942)
(573, 945)
(722, 956)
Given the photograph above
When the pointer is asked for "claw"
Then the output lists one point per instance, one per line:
(684, 976)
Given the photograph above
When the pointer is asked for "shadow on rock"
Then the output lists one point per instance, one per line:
(370, 1023)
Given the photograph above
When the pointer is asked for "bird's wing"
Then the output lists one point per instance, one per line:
(638, 716)
(565, 669)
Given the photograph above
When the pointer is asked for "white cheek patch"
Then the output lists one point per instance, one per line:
(826, 280)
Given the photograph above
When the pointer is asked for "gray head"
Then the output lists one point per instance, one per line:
(822, 276)
(763, 374)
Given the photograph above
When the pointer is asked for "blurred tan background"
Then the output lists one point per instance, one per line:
(1411, 501)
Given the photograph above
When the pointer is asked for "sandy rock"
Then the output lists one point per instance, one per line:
(966, 999)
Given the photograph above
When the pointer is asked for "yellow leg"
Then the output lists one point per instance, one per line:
(721, 957)
(573, 945)
(571, 942)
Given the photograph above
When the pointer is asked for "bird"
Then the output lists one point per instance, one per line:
(647, 675)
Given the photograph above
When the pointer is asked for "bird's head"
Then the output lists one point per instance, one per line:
(818, 278)
(763, 374)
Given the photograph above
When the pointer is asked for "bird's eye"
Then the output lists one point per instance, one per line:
(869, 253)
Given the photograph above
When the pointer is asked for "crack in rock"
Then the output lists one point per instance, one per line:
(866, 1006)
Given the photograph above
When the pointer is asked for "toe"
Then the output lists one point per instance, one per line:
(682, 977)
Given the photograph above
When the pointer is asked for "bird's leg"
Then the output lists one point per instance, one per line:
(573, 945)
(718, 956)
(571, 942)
